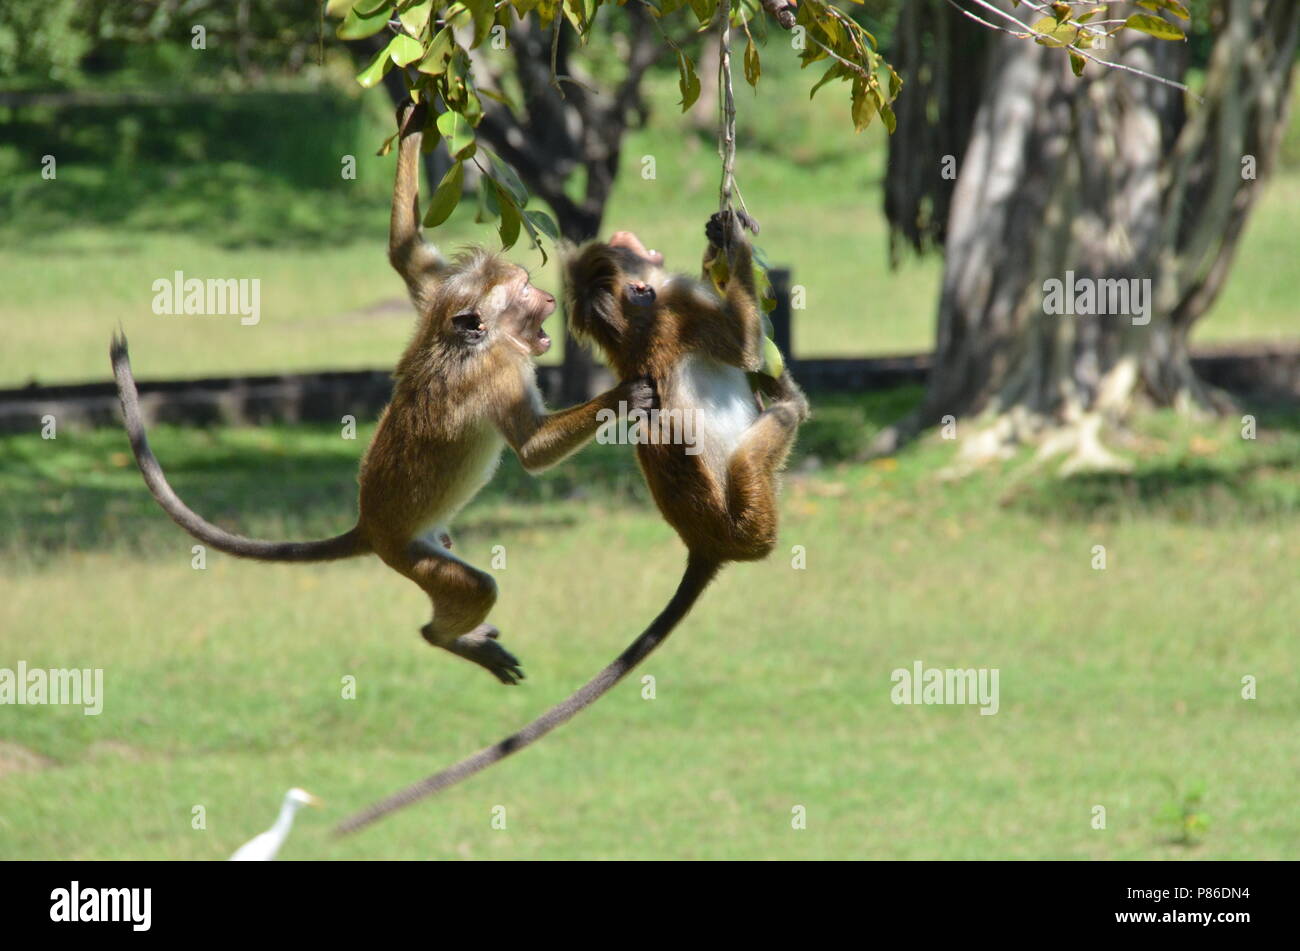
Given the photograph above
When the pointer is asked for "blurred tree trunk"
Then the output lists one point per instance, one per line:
(1110, 177)
(943, 56)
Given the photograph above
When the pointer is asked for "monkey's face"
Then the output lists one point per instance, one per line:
(611, 288)
(511, 312)
(643, 273)
(529, 307)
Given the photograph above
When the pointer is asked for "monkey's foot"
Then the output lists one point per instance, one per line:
(480, 645)
(787, 391)
(793, 396)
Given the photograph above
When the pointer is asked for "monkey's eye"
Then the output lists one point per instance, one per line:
(469, 327)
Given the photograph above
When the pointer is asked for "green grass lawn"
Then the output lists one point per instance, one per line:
(80, 254)
(1119, 687)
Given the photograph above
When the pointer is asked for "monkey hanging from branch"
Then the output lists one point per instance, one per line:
(464, 387)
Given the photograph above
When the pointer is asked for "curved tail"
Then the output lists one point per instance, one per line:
(699, 572)
(341, 546)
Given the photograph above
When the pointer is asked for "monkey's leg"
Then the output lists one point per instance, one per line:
(785, 389)
(751, 479)
(462, 596)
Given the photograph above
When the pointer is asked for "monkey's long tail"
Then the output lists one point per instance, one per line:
(341, 546)
(699, 572)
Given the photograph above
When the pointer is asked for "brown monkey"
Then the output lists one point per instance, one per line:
(698, 346)
(720, 494)
(464, 386)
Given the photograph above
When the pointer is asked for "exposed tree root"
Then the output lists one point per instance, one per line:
(1069, 428)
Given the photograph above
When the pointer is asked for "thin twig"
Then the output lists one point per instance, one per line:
(727, 100)
(1030, 31)
(555, 53)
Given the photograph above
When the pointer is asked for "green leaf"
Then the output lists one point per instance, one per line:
(367, 7)
(484, 13)
(416, 17)
(1154, 26)
(473, 106)
(358, 27)
(1055, 34)
(531, 222)
(704, 10)
(498, 97)
(456, 83)
(339, 8)
(547, 10)
(1077, 63)
(864, 105)
(438, 53)
(835, 34)
(446, 197)
(1173, 6)
(403, 49)
(510, 218)
(895, 83)
(836, 71)
(431, 137)
(488, 206)
(543, 222)
(455, 128)
(576, 13)
(373, 73)
(887, 116)
(507, 179)
(753, 68)
(773, 362)
(688, 82)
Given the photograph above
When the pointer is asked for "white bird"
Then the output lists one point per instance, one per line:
(263, 848)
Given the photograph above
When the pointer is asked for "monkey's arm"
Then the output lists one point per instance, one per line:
(417, 261)
(733, 332)
(542, 439)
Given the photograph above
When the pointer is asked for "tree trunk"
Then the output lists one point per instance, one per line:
(1100, 179)
(944, 60)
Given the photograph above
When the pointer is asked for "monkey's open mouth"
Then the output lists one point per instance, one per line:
(541, 341)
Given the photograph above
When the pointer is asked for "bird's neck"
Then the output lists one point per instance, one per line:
(284, 820)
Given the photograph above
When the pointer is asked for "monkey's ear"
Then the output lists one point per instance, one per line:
(468, 326)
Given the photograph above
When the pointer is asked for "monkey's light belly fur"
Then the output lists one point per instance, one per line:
(722, 402)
